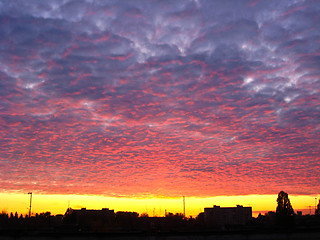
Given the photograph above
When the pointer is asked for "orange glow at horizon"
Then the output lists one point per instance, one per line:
(155, 206)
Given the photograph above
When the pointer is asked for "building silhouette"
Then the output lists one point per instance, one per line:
(85, 219)
(227, 216)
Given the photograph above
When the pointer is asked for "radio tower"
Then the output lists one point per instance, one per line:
(30, 203)
(184, 206)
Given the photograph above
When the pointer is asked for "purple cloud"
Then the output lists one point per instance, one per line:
(139, 97)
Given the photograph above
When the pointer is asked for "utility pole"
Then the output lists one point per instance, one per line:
(310, 209)
(30, 203)
(184, 206)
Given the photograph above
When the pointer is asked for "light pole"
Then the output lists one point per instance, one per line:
(315, 206)
(30, 203)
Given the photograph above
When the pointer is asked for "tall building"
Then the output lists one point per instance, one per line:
(224, 216)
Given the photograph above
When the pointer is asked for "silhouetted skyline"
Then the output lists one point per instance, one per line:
(213, 220)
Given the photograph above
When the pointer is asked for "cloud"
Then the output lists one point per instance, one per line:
(137, 99)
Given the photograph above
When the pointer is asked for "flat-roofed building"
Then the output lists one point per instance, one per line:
(90, 219)
(224, 216)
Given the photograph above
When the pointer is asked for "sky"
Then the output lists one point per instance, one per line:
(140, 99)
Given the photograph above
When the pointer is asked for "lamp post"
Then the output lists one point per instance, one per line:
(315, 206)
(30, 203)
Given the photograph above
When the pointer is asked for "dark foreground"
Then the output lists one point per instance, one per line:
(105, 225)
(236, 235)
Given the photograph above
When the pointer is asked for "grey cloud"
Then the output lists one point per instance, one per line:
(273, 32)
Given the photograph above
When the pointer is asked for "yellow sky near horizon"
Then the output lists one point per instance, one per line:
(155, 206)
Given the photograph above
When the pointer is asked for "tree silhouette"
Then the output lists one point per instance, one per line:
(284, 212)
(284, 207)
(318, 209)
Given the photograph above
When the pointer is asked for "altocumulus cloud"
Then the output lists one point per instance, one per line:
(139, 98)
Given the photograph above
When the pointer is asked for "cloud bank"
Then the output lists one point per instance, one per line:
(160, 98)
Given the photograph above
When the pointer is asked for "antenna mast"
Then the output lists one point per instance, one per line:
(184, 206)
(30, 203)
